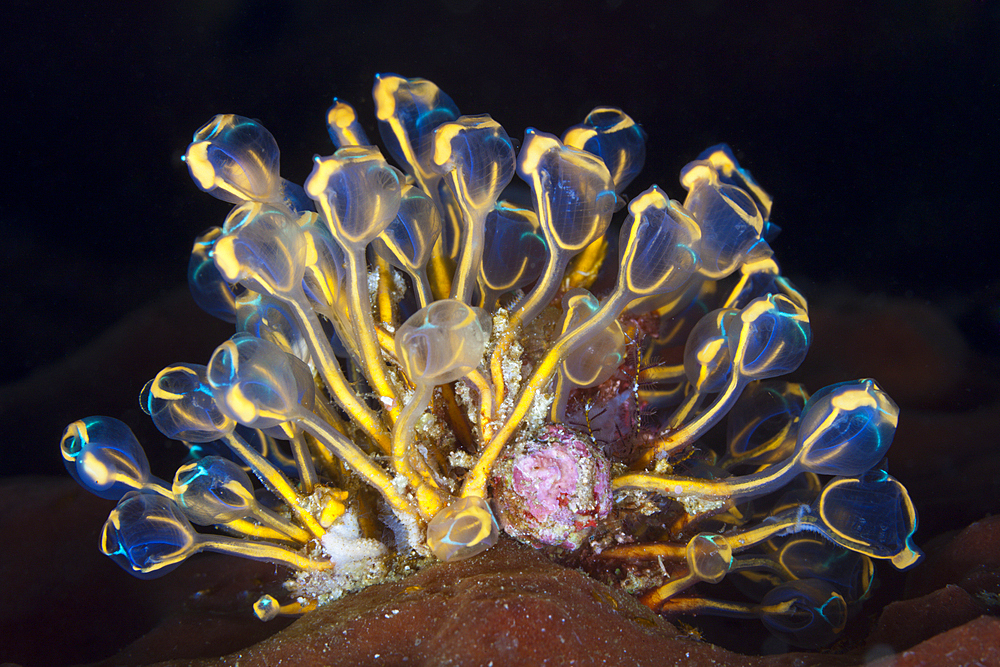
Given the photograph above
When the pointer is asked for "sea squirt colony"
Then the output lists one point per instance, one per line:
(419, 364)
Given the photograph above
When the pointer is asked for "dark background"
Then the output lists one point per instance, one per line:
(873, 125)
(875, 130)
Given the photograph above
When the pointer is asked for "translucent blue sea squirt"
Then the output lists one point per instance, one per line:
(419, 363)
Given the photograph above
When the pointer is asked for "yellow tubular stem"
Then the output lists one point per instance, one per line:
(250, 529)
(387, 343)
(583, 269)
(438, 273)
(698, 605)
(359, 305)
(646, 551)
(356, 459)
(555, 265)
(271, 553)
(662, 373)
(325, 410)
(545, 288)
(276, 482)
(558, 409)
(496, 359)
(471, 252)
(329, 463)
(735, 293)
(723, 488)
(737, 541)
(304, 463)
(431, 498)
(427, 491)
(690, 487)
(421, 176)
(279, 523)
(654, 599)
(486, 405)
(297, 608)
(661, 396)
(664, 446)
(759, 563)
(333, 376)
(386, 310)
(683, 411)
(475, 483)
(334, 508)
(539, 297)
(275, 527)
(290, 609)
(460, 425)
(422, 288)
(438, 269)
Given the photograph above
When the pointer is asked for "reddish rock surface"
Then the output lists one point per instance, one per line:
(970, 559)
(975, 643)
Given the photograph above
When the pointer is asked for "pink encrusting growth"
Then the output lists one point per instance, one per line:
(553, 489)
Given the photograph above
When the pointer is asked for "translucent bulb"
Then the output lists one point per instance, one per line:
(103, 456)
(343, 126)
(656, 246)
(213, 490)
(235, 159)
(358, 191)
(599, 357)
(813, 612)
(462, 530)
(181, 403)
(847, 428)
(730, 223)
(325, 266)
(271, 319)
(442, 342)
(476, 158)
(478, 148)
(762, 426)
(709, 557)
(707, 360)
(770, 337)
(262, 249)
(573, 188)
(721, 157)
(253, 381)
(613, 136)
(408, 241)
(409, 110)
(147, 535)
(210, 290)
(871, 513)
(513, 252)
